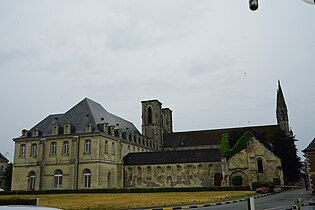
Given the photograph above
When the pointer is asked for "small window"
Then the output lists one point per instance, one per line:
(106, 147)
(67, 129)
(34, 150)
(87, 147)
(149, 113)
(22, 150)
(89, 128)
(58, 179)
(260, 166)
(87, 178)
(113, 149)
(65, 147)
(55, 130)
(53, 148)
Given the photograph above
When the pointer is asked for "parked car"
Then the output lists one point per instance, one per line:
(1, 190)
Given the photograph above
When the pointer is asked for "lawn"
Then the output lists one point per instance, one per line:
(95, 201)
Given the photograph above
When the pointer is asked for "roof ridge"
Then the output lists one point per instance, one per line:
(226, 128)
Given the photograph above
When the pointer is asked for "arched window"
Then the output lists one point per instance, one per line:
(31, 180)
(86, 178)
(149, 114)
(260, 166)
(58, 179)
(87, 146)
(109, 180)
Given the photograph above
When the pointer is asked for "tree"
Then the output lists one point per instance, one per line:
(286, 150)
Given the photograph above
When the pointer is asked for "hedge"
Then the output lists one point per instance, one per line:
(137, 190)
(17, 201)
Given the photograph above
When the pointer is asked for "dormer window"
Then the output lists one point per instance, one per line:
(55, 130)
(36, 132)
(67, 128)
(25, 133)
(89, 128)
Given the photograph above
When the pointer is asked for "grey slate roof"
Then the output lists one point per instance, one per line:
(170, 157)
(85, 112)
(310, 147)
(265, 134)
(3, 158)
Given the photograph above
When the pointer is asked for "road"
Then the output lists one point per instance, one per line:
(283, 200)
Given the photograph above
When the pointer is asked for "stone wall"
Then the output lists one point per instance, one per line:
(171, 175)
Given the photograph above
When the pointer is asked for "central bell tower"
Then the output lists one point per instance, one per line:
(155, 121)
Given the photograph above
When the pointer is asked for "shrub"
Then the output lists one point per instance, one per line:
(17, 201)
(269, 185)
(262, 190)
(237, 181)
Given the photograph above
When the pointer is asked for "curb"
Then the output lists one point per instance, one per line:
(209, 204)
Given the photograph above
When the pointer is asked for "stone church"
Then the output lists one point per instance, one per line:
(87, 147)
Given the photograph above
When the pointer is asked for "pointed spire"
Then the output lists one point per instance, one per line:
(280, 98)
(282, 111)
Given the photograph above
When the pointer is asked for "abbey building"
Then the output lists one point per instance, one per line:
(88, 147)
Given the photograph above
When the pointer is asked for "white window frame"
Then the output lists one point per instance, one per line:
(32, 178)
(58, 179)
(65, 147)
(23, 150)
(87, 146)
(87, 178)
(34, 150)
(53, 148)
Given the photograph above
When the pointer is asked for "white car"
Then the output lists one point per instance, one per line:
(1, 190)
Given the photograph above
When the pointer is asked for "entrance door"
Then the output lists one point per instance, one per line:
(217, 179)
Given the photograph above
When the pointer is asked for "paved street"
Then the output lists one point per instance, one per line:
(278, 201)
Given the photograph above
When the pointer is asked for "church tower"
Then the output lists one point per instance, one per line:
(156, 121)
(282, 111)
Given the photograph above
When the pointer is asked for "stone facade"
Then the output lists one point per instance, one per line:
(103, 162)
(254, 163)
(88, 147)
(309, 152)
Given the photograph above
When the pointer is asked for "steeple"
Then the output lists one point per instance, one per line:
(282, 111)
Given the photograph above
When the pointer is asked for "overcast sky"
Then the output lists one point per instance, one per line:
(213, 62)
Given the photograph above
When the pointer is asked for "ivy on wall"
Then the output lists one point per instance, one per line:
(229, 152)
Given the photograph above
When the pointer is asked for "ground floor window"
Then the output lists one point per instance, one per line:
(58, 179)
(87, 178)
(31, 180)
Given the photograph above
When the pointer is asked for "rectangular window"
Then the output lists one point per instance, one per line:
(34, 150)
(87, 148)
(22, 150)
(53, 148)
(106, 147)
(65, 148)
(113, 149)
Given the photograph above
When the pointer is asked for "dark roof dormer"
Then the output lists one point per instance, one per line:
(89, 128)
(56, 129)
(25, 133)
(36, 132)
(68, 128)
